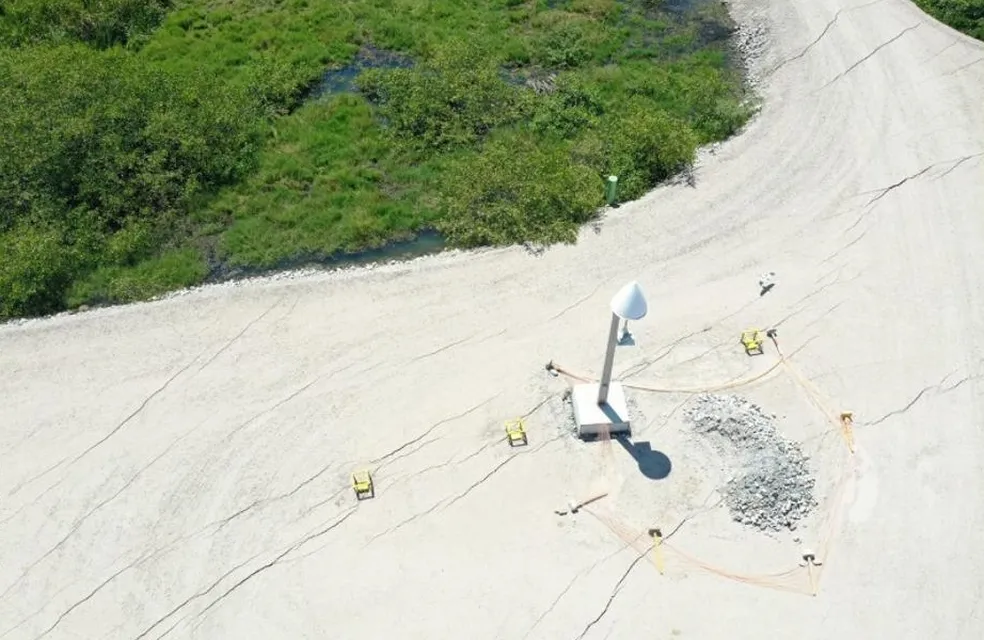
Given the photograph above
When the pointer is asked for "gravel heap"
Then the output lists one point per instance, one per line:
(774, 489)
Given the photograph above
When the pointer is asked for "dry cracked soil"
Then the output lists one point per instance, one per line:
(180, 468)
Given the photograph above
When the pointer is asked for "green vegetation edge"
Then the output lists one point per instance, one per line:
(152, 144)
(964, 15)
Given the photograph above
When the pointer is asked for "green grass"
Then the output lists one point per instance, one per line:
(258, 174)
(172, 270)
(965, 15)
(328, 182)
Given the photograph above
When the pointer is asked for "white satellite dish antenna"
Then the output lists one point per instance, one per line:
(595, 411)
(630, 303)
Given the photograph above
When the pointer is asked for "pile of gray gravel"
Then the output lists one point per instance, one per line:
(774, 488)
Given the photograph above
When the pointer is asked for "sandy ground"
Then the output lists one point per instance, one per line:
(180, 468)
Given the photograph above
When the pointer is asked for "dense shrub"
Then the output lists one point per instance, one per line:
(138, 136)
(96, 131)
(965, 15)
(640, 144)
(572, 107)
(35, 268)
(101, 23)
(515, 190)
(453, 100)
(96, 144)
(644, 145)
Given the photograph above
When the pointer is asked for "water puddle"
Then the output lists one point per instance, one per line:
(342, 80)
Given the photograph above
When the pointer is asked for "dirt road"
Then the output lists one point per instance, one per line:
(180, 468)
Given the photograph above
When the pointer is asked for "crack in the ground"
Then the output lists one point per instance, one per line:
(285, 400)
(431, 429)
(109, 435)
(262, 502)
(636, 369)
(570, 585)
(964, 66)
(669, 416)
(270, 409)
(845, 247)
(823, 315)
(809, 46)
(496, 469)
(82, 519)
(320, 503)
(886, 190)
(147, 400)
(538, 405)
(297, 545)
(404, 522)
(449, 345)
(477, 451)
(956, 164)
(615, 591)
(799, 304)
(883, 191)
(867, 57)
(217, 525)
(936, 389)
(579, 301)
(408, 452)
(816, 40)
(447, 501)
(936, 55)
(861, 216)
(193, 597)
(491, 336)
(242, 332)
(252, 574)
(83, 600)
(471, 455)
(140, 408)
(704, 508)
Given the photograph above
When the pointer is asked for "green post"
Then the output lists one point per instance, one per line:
(611, 190)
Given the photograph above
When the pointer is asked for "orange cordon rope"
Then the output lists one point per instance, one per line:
(741, 382)
(781, 581)
(832, 519)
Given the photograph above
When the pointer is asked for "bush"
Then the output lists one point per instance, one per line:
(570, 40)
(101, 24)
(574, 106)
(640, 144)
(454, 100)
(102, 155)
(35, 269)
(152, 277)
(101, 132)
(965, 15)
(113, 157)
(516, 190)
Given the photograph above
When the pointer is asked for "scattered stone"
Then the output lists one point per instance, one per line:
(774, 489)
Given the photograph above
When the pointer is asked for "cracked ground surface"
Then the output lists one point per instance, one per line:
(180, 469)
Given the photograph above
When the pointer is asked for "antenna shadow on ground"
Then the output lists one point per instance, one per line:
(655, 465)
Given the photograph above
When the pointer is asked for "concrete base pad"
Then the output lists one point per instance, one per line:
(592, 419)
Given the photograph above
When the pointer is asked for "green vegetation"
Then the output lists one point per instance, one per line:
(148, 142)
(965, 15)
